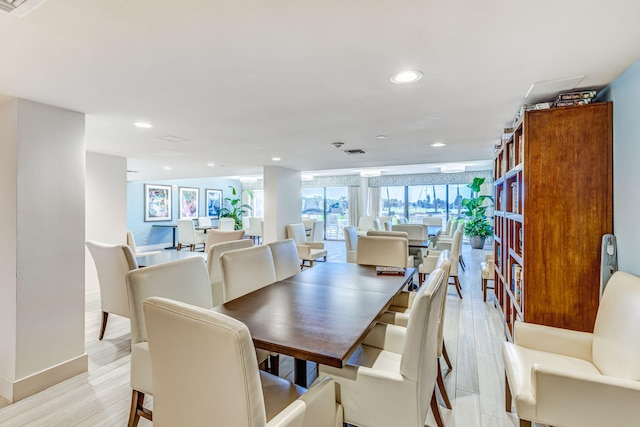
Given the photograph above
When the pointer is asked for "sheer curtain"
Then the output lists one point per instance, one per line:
(374, 202)
(354, 205)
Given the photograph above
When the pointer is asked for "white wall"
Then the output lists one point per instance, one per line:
(49, 247)
(106, 207)
(625, 94)
(282, 201)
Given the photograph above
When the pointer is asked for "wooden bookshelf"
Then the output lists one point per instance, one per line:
(554, 196)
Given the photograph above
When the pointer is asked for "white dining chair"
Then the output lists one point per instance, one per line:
(226, 224)
(205, 373)
(189, 236)
(285, 258)
(214, 267)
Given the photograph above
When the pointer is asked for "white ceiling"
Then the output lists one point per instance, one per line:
(248, 80)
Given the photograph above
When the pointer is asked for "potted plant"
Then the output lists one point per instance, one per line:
(477, 226)
(233, 207)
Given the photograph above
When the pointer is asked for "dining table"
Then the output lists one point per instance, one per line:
(320, 315)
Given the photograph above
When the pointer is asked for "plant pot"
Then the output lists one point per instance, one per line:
(477, 242)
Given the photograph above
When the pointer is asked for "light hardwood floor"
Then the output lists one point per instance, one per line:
(100, 397)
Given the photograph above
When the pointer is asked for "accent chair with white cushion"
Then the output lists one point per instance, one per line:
(204, 221)
(255, 228)
(568, 378)
(226, 224)
(285, 258)
(217, 236)
(382, 251)
(317, 231)
(351, 243)
(205, 373)
(215, 268)
(487, 267)
(391, 377)
(307, 251)
(112, 262)
(365, 223)
(189, 236)
(185, 280)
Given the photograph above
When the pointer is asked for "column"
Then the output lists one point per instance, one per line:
(282, 201)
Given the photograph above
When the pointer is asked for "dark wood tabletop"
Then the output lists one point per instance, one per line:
(419, 243)
(320, 315)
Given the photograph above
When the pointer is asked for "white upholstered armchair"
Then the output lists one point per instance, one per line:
(568, 378)
(205, 373)
(307, 251)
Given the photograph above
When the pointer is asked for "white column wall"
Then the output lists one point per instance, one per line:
(282, 201)
(106, 207)
(48, 152)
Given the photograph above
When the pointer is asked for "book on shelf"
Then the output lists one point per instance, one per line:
(390, 271)
(521, 241)
(571, 103)
(572, 96)
(498, 256)
(516, 282)
(512, 156)
(514, 197)
(521, 147)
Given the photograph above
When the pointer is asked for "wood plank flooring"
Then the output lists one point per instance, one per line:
(100, 397)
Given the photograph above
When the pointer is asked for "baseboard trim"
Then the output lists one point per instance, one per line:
(13, 391)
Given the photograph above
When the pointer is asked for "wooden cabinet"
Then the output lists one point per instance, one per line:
(553, 182)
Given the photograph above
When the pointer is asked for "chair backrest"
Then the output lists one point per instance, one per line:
(443, 263)
(186, 231)
(208, 357)
(616, 337)
(185, 280)
(131, 242)
(113, 262)
(415, 231)
(387, 225)
(383, 219)
(285, 258)
(402, 234)
(419, 355)
(456, 247)
(432, 220)
(204, 221)
(297, 233)
(377, 225)
(382, 251)
(255, 226)
(217, 236)
(317, 231)
(402, 220)
(350, 238)
(454, 227)
(365, 223)
(214, 266)
(246, 270)
(308, 223)
(226, 224)
(245, 222)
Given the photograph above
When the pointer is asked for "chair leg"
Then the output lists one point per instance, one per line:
(274, 364)
(420, 278)
(507, 394)
(436, 410)
(461, 261)
(137, 409)
(192, 247)
(446, 355)
(525, 423)
(442, 388)
(484, 289)
(458, 287)
(179, 247)
(105, 315)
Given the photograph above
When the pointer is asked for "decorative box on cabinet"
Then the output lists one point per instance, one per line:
(554, 201)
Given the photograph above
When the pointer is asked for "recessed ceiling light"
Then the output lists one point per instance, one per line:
(381, 136)
(211, 164)
(438, 144)
(143, 125)
(405, 77)
(276, 159)
(167, 168)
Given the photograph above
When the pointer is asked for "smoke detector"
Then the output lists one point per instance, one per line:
(337, 145)
(19, 7)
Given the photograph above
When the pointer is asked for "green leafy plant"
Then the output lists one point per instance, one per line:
(233, 207)
(476, 223)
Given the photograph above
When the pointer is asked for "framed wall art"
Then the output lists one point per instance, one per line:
(188, 202)
(214, 202)
(157, 202)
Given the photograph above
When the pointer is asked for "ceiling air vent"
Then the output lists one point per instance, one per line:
(19, 7)
(355, 152)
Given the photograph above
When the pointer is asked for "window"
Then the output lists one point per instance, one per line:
(392, 201)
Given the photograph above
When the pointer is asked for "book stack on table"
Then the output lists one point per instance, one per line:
(390, 271)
